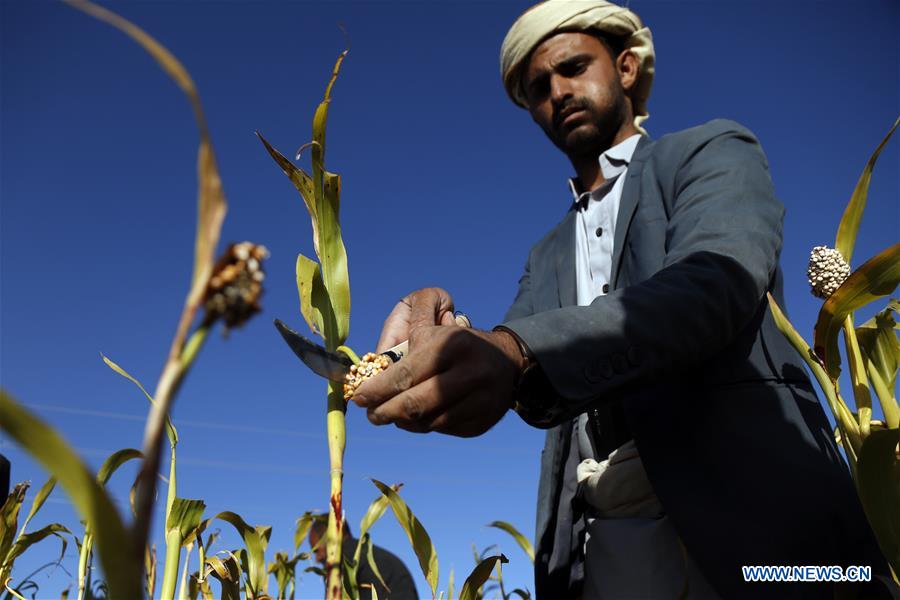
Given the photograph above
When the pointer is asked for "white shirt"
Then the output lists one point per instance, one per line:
(595, 227)
(595, 223)
(631, 554)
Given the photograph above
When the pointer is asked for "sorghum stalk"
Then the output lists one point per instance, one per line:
(182, 586)
(84, 557)
(169, 382)
(858, 378)
(337, 442)
(231, 294)
(173, 557)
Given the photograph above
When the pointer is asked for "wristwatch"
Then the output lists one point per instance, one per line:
(534, 398)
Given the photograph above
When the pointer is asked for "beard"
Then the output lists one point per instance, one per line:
(596, 130)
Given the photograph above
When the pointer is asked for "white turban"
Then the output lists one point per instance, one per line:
(556, 16)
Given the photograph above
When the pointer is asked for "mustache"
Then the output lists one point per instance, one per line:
(562, 111)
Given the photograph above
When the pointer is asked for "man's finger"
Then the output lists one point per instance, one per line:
(416, 407)
(428, 306)
(398, 378)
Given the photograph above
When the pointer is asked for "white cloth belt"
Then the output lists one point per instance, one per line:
(632, 551)
(618, 487)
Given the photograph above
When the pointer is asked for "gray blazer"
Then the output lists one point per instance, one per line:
(728, 426)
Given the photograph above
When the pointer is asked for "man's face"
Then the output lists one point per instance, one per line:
(574, 93)
(319, 549)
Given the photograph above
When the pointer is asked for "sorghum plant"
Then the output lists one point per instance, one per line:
(229, 291)
(12, 545)
(324, 289)
(873, 356)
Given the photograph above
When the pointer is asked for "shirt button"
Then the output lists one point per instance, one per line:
(605, 288)
(599, 231)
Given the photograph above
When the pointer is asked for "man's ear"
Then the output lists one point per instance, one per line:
(627, 66)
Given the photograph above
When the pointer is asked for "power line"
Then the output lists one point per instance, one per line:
(241, 428)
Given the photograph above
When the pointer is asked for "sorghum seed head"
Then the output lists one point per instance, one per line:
(234, 289)
(369, 366)
(827, 271)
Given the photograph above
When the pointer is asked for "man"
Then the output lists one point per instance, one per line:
(686, 439)
(400, 585)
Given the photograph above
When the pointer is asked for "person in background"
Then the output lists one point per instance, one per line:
(4, 478)
(400, 585)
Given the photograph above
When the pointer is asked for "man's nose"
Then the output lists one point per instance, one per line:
(560, 90)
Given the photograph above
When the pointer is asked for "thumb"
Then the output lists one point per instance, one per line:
(447, 318)
(428, 307)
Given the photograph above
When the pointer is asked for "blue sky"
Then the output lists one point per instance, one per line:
(445, 183)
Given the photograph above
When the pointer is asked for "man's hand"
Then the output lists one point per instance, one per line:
(429, 306)
(454, 380)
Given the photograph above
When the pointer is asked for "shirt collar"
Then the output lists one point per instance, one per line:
(613, 162)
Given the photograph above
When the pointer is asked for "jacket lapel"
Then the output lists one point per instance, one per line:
(627, 205)
(564, 240)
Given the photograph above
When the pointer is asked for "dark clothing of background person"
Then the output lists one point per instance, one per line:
(4, 477)
(392, 569)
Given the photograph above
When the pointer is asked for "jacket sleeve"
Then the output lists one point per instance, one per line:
(523, 305)
(722, 244)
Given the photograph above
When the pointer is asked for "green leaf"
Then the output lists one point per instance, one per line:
(170, 428)
(370, 556)
(13, 592)
(450, 586)
(881, 348)
(150, 566)
(351, 565)
(228, 573)
(880, 343)
(39, 500)
(114, 461)
(256, 539)
(185, 516)
(89, 498)
(210, 539)
(418, 537)
(9, 518)
(375, 511)
(846, 423)
(317, 570)
(331, 251)
(27, 540)
(333, 258)
(304, 524)
(182, 522)
(320, 120)
(302, 181)
(314, 302)
(284, 569)
(877, 277)
(879, 489)
(849, 226)
(479, 576)
(523, 542)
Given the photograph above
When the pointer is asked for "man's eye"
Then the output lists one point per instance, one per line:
(574, 69)
(538, 89)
